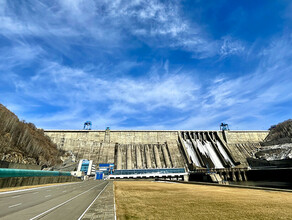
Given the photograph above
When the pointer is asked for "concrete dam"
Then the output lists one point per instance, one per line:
(150, 150)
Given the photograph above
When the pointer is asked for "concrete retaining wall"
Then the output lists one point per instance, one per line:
(5, 164)
(27, 181)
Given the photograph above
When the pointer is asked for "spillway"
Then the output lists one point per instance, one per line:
(207, 150)
(192, 153)
(225, 155)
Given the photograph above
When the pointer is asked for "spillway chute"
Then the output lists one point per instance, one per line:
(205, 149)
(192, 153)
(224, 154)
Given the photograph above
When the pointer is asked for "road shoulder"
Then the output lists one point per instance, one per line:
(103, 207)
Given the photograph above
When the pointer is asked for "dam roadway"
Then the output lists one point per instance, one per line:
(62, 201)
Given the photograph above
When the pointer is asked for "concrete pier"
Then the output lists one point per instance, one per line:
(148, 158)
(239, 176)
(244, 176)
(166, 157)
(138, 157)
(157, 158)
(233, 176)
(119, 159)
(129, 157)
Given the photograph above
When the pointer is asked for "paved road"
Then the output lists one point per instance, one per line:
(67, 201)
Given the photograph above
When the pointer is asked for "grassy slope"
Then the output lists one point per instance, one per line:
(152, 200)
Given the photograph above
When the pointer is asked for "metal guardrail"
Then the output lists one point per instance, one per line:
(6, 172)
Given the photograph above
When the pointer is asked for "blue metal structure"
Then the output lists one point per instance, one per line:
(107, 168)
(87, 125)
(146, 171)
(6, 172)
(99, 175)
(224, 127)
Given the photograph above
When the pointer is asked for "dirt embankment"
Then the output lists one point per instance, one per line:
(22, 142)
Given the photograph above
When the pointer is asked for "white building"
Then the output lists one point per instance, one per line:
(86, 166)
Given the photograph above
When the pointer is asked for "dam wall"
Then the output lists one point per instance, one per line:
(236, 137)
(243, 144)
(160, 149)
(126, 149)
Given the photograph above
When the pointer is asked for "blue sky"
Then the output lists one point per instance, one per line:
(147, 64)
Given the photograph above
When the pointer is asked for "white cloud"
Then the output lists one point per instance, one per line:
(81, 94)
(231, 47)
(20, 54)
(103, 90)
(109, 24)
(77, 93)
(249, 101)
(56, 82)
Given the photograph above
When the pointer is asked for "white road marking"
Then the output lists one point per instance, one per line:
(115, 210)
(50, 190)
(63, 203)
(92, 202)
(48, 196)
(64, 191)
(14, 205)
(35, 192)
(15, 196)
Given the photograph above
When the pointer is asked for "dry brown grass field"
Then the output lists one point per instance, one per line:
(157, 200)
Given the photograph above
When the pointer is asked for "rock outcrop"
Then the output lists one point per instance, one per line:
(276, 149)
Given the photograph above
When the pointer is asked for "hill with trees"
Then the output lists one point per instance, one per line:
(280, 133)
(22, 142)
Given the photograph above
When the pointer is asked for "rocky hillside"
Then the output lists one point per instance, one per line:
(22, 142)
(278, 144)
(275, 152)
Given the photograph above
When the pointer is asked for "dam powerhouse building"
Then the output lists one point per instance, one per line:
(163, 154)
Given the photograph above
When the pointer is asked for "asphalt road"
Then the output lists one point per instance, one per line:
(65, 201)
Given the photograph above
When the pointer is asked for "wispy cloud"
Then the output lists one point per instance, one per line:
(231, 47)
(250, 101)
(138, 64)
(76, 90)
(54, 79)
(103, 23)
(245, 98)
